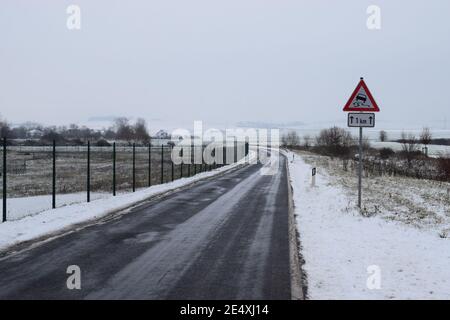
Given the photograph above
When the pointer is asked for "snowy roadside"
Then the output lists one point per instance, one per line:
(52, 221)
(18, 208)
(343, 251)
(419, 203)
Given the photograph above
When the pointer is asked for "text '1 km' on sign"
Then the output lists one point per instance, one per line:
(366, 120)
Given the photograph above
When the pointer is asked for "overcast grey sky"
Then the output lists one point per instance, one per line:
(222, 60)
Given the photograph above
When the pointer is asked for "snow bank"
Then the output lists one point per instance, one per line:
(339, 246)
(19, 208)
(50, 221)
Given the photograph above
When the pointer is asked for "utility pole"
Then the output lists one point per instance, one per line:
(4, 180)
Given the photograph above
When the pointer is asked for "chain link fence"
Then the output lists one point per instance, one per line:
(38, 178)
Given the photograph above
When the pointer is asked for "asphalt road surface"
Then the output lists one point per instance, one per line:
(222, 238)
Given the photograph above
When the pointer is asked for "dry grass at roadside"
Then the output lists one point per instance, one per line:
(35, 178)
(417, 202)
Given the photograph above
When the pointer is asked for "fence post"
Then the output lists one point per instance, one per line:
(149, 164)
(114, 169)
(54, 176)
(171, 161)
(203, 162)
(190, 161)
(257, 151)
(4, 179)
(181, 164)
(193, 158)
(88, 182)
(224, 154)
(195, 165)
(162, 164)
(235, 151)
(134, 167)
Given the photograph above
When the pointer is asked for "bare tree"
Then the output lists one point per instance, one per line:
(383, 136)
(409, 146)
(290, 139)
(140, 131)
(335, 141)
(4, 128)
(409, 142)
(123, 129)
(306, 141)
(426, 136)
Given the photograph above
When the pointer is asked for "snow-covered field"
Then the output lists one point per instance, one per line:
(402, 244)
(50, 221)
(420, 203)
(433, 150)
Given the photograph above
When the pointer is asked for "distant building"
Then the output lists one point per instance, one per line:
(161, 134)
(35, 134)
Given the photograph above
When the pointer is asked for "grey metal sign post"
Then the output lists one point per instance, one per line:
(361, 120)
(360, 167)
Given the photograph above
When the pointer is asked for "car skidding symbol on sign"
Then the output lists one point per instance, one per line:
(360, 100)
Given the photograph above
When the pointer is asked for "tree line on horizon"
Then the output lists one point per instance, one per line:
(411, 160)
(120, 130)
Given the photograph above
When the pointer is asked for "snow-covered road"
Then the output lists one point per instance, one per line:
(221, 238)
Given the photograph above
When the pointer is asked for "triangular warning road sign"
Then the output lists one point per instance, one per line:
(361, 99)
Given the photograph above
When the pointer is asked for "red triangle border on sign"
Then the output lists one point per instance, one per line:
(355, 92)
